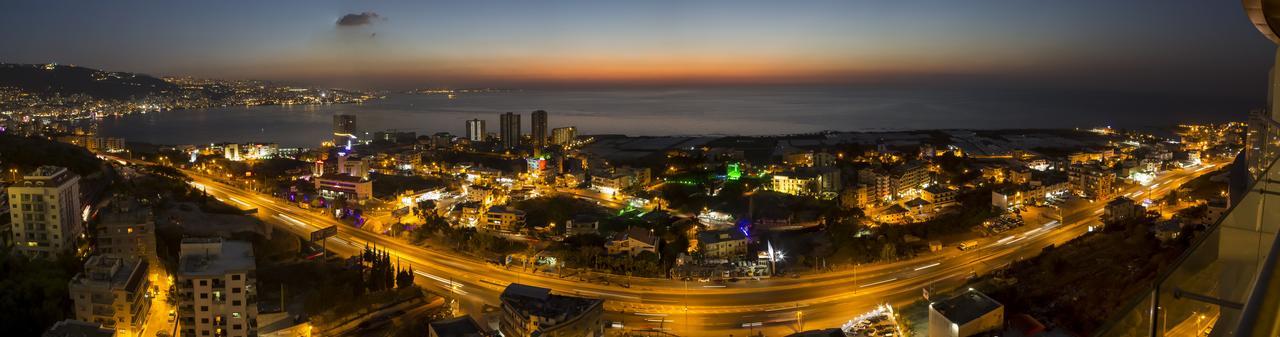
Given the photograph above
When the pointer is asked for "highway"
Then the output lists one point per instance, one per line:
(778, 306)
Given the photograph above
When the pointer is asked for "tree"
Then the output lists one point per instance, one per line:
(404, 278)
(889, 252)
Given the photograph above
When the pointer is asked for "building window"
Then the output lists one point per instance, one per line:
(235, 290)
(235, 327)
(204, 295)
(235, 277)
(235, 302)
(204, 308)
(204, 282)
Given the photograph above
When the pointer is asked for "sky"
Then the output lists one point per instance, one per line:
(1176, 46)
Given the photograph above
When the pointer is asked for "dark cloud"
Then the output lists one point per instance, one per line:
(352, 20)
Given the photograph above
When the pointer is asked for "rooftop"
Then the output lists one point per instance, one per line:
(74, 328)
(213, 256)
(640, 234)
(125, 211)
(917, 202)
(551, 309)
(456, 327)
(111, 273)
(41, 176)
(965, 307)
(1120, 201)
(935, 189)
(505, 209)
(706, 237)
(342, 178)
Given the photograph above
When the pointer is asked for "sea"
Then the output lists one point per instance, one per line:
(743, 111)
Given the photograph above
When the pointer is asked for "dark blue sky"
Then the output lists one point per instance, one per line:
(1179, 46)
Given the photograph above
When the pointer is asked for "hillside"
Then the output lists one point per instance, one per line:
(70, 80)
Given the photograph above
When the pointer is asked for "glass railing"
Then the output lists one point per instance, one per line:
(1205, 291)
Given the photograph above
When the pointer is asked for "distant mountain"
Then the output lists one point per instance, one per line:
(69, 80)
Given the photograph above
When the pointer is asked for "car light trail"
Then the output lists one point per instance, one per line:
(237, 200)
(931, 265)
(878, 282)
(293, 221)
(454, 287)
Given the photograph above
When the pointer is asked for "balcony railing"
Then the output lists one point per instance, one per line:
(1210, 290)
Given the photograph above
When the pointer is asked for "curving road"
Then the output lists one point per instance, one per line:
(777, 306)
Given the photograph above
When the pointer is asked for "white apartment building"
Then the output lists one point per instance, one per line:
(46, 214)
(217, 294)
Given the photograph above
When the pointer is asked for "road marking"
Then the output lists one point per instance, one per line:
(878, 282)
(713, 286)
(650, 314)
(608, 294)
(931, 265)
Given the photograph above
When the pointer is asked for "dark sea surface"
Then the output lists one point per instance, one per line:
(702, 111)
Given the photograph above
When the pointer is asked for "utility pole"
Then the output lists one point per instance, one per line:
(686, 306)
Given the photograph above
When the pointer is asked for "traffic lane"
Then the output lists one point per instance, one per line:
(652, 282)
(654, 297)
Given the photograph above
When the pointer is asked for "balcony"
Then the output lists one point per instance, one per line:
(1211, 290)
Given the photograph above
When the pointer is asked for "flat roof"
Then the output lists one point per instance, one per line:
(462, 326)
(208, 257)
(965, 307)
(715, 236)
(44, 174)
(539, 302)
(74, 328)
(112, 273)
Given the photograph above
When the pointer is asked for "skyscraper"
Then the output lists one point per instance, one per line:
(475, 130)
(509, 125)
(563, 136)
(539, 128)
(344, 129)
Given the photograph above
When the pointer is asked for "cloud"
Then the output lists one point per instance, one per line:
(352, 20)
